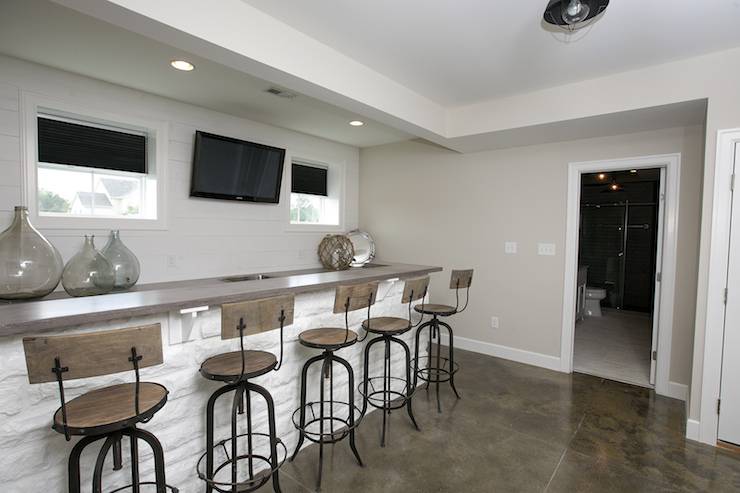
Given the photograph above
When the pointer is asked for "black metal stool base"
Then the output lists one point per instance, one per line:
(257, 480)
(338, 425)
(346, 425)
(431, 374)
(386, 398)
(113, 440)
(241, 404)
(438, 369)
(391, 397)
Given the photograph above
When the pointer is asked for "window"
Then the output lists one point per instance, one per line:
(87, 170)
(310, 200)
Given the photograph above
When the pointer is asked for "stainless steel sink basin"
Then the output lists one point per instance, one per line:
(248, 277)
(371, 266)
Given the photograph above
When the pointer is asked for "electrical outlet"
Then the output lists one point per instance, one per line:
(546, 249)
(494, 322)
(510, 247)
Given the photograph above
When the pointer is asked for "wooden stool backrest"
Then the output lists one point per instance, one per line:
(92, 354)
(415, 289)
(257, 315)
(461, 279)
(355, 297)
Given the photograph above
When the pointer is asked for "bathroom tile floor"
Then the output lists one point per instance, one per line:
(615, 346)
(520, 428)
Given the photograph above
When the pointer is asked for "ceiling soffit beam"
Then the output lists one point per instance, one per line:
(690, 79)
(246, 39)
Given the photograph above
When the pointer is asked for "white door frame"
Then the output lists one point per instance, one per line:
(664, 311)
(719, 249)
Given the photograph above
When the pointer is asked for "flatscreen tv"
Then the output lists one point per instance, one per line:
(232, 169)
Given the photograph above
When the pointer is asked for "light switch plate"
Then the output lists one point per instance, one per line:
(510, 247)
(546, 249)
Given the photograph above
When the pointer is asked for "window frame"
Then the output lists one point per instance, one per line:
(157, 141)
(336, 188)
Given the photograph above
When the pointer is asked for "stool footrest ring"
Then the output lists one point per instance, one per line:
(396, 395)
(433, 374)
(145, 483)
(336, 420)
(261, 442)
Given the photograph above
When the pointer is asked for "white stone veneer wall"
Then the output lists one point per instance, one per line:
(33, 457)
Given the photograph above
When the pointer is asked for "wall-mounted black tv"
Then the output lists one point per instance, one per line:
(232, 169)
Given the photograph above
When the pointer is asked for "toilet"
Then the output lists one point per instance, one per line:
(593, 301)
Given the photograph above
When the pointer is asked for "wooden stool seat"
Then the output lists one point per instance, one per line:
(228, 366)
(328, 338)
(441, 310)
(111, 408)
(387, 325)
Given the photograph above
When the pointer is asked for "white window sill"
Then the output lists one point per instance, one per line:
(97, 223)
(314, 228)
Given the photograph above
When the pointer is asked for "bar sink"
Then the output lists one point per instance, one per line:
(248, 277)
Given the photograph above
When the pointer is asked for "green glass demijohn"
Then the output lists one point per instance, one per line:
(88, 273)
(126, 267)
(30, 266)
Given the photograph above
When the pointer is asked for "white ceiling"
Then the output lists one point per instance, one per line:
(465, 51)
(52, 35)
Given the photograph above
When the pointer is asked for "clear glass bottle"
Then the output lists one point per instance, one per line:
(126, 267)
(88, 273)
(30, 266)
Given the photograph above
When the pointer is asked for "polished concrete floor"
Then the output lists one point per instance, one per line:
(616, 346)
(519, 428)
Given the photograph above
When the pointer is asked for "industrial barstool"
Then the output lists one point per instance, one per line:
(392, 392)
(442, 369)
(108, 413)
(235, 369)
(347, 299)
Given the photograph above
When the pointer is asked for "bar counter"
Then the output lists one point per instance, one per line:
(59, 311)
(33, 456)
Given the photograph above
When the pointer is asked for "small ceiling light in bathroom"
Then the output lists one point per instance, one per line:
(356, 123)
(182, 65)
(572, 15)
(633, 171)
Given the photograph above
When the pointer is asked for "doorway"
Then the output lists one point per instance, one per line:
(619, 235)
(661, 319)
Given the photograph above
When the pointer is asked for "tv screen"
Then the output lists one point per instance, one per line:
(232, 169)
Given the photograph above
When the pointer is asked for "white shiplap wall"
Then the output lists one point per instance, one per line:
(203, 237)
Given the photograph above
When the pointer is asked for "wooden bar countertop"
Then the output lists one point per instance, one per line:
(59, 311)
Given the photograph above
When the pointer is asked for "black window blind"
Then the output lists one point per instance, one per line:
(63, 142)
(309, 179)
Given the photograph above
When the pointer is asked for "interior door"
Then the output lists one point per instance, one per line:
(729, 412)
(658, 268)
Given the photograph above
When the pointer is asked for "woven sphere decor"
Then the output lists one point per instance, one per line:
(336, 252)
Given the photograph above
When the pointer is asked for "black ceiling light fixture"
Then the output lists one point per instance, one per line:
(571, 15)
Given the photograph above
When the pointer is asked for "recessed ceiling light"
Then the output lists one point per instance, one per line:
(633, 171)
(182, 65)
(356, 123)
(602, 176)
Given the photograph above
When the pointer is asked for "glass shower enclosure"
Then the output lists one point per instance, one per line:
(618, 244)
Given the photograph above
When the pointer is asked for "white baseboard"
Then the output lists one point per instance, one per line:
(692, 429)
(506, 352)
(676, 391)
